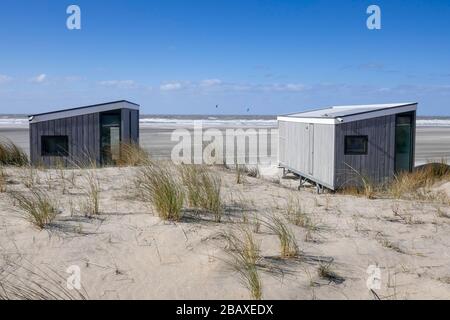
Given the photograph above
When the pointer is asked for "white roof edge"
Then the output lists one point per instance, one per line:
(350, 118)
(82, 111)
(308, 120)
(374, 107)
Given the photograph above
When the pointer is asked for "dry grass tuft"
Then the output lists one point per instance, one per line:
(385, 242)
(2, 180)
(12, 155)
(326, 272)
(31, 177)
(203, 189)
(295, 213)
(90, 184)
(288, 243)
(252, 171)
(162, 190)
(240, 179)
(38, 284)
(131, 154)
(242, 171)
(413, 185)
(36, 206)
(367, 188)
(243, 252)
(92, 189)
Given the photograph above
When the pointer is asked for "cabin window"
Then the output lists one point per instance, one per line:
(55, 146)
(356, 145)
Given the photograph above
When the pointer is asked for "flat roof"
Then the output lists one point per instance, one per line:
(73, 112)
(339, 114)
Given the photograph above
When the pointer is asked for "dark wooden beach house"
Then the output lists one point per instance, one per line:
(81, 135)
(342, 146)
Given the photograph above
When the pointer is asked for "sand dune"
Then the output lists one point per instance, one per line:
(127, 252)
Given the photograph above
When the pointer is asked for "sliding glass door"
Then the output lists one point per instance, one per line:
(404, 139)
(110, 137)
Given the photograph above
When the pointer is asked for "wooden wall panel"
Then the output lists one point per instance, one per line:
(83, 134)
(378, 164)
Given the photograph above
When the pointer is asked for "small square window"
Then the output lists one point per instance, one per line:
(54, 146)
(356, 145)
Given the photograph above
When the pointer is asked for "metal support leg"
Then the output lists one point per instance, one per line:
(302, 183)
(319, 189)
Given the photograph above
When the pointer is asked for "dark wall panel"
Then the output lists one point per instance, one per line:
(134, 126)
(96, 128)
(83, 133)
(378, 164)
(125, 132)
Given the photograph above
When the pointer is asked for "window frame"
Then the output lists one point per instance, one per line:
(347, 152)
(44, 144)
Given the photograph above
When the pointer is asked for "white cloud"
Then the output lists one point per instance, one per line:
(39, 79)
(233, 86)
(210, 82)
(118, 83)
(294, 87)
(72, 78)
(273, 87)
(171, 86)
(4, 79)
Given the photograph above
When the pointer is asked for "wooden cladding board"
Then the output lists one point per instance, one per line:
(378, 165)
(83, 134)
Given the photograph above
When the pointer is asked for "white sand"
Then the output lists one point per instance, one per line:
(129, 253)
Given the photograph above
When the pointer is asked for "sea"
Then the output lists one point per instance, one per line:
(218, 121)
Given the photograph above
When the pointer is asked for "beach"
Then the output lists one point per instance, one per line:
(126, 251)
(389, 244)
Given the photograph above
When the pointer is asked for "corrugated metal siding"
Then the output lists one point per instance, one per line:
(301, 142)
(378, 164)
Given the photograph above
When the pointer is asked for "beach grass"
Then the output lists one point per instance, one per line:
(132, 154)
(38, 284)
(92, 190)
(36, 206)
(288, 242)
(409, 184)
(325, 271)
(2, 180)
(368, 188)
(12, 155)
(243, 256)
(162, 190)
(296, 214)
(203, 188)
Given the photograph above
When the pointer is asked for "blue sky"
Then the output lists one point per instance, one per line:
(187, 56)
